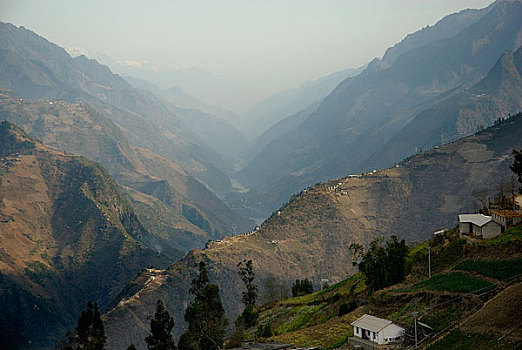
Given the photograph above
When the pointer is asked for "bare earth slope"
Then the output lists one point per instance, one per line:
(67, 236)
(310, 236)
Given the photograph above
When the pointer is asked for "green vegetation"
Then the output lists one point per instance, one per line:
(90, 333)
(302, 287)
(502, 270)
(440, 319)
(458, 340)
(323, 318)
(205, 315)
(516, 167)
(38, 271)
(384, 266)
(456, 282)
(301, 317)
(161, 325)
(249, 316)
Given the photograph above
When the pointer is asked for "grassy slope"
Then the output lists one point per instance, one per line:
(464, 273)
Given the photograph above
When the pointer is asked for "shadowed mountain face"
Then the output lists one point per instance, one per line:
(67, 235)
(459, 112)
(180, 212)
(363, 114)
(309, 237)
(36, 68)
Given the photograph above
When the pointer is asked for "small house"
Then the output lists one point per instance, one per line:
(479, 225)
(377, 330)
(506, 218)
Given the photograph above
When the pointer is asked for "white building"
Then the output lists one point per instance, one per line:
(377, 329)
(479, 225)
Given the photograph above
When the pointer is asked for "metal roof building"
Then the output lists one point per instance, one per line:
(479, 225)
(377, 329)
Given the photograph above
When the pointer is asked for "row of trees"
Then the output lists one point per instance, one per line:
(205, 317)
(302, 287)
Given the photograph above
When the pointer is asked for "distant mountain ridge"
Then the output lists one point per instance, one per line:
(364, 113)
(273, 109)
(38, 69)
(161, 191)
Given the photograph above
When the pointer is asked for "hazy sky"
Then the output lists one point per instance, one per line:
(284, 42)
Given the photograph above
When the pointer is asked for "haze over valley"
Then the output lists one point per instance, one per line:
(139, 139)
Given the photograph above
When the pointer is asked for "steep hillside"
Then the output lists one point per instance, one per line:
(167, 199)
(67, 235)
(459, 112)
(362, 114)
(310, 236)
(38, 69)
(473, 294)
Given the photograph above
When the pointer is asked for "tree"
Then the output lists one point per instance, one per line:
(90, 330)
(132, 347)
(356, 251)
(302, 287)
(246, 271)
(516, 167)
(396, 253)
(161, 325)
(249, 316)
(384, 266)
(199, 283)
(205, 316)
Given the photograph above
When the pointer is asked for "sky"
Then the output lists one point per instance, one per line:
(275, 43)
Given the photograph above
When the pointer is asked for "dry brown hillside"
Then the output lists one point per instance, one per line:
(310, 236)
(176, 208)
(67, 236)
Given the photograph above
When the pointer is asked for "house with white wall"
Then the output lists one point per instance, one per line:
(377, 330)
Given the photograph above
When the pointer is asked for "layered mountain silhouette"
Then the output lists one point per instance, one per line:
(367, 114)
(180, 212)
(36, 68)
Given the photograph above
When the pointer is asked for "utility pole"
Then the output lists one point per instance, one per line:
(429, 260)
(415, 314)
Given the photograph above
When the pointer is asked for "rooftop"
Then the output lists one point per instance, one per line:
(477, 219)
(371, 323)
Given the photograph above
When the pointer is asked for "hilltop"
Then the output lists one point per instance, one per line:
(67, 236)
(310, 235)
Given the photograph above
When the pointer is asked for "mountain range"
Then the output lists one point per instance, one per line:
(309, 237)
(103, 176)
(38, 69)
(369, 114)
